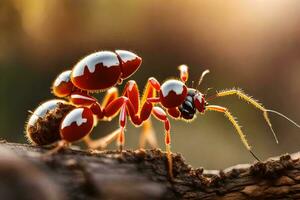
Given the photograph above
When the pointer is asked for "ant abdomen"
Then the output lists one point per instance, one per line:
(43, 126)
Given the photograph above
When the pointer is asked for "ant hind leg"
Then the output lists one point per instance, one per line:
(59, 146)
(148, 135)
(103, 142)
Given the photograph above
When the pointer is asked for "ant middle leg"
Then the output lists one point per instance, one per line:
(110, 95)
(149, 98)
(161, 115)
(128, 104)
(142, 109)
(101, 143)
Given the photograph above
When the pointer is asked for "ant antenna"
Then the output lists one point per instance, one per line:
(192, 84)
(282, 115)
(201, 77)
(254, 156)
(207, 90)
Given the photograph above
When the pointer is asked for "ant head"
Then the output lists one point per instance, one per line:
(194, 101)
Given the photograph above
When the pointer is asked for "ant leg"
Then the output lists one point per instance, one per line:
(148, 135)
(102, 142)
(60, 145)
(110, 95)
(161, 115)
(250, 100)
(119, 105)
(131, 91)
(150, 90)
(143, 108)
(235, 124)
(82, 98)
(113, 105)
(130, 100)
(122, 121)
(174, 113)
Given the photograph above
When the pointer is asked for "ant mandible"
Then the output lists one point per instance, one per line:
(174, 97)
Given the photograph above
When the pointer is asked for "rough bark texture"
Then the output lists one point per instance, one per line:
(73, 174)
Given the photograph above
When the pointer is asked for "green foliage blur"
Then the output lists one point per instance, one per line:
(254, 45)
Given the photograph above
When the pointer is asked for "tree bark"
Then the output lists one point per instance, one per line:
(26, 173)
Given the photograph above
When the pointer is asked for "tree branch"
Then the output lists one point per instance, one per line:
(73, 174)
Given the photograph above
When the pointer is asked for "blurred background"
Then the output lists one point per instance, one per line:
(251, 44)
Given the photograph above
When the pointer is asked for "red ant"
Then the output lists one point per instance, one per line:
(102, 70)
